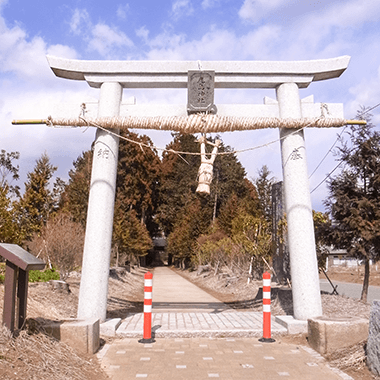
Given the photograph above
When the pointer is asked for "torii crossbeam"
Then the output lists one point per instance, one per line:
(285, 77)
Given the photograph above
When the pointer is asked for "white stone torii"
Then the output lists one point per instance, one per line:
(285, 77)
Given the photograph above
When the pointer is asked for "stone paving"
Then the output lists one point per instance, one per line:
(197, 337)
(205, 358)
(227, 323)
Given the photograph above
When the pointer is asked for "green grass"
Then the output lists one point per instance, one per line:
(43, 276)
(34, 275)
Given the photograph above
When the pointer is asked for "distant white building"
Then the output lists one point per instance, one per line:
(339, 257)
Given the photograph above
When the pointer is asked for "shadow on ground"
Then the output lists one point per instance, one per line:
(121, 308)
(280, 298)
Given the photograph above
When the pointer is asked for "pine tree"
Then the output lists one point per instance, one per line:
(178, 179)
(138, 178)
(354, 201)
(234, 206)
(189, 225)
(74, 198)
(9, 229)
(130, 239)
(185, 215)
(37, 203)
(7, 168)
(229, 176)
(264, 190)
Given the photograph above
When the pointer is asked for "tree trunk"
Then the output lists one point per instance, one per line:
(117, 256)
(216, 197)
(365, 281)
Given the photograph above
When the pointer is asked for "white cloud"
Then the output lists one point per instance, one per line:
(143, 33)
(350, 13)
(255, 10)
(262, 42)
(217, 44)
(32, 91)
(26, 58)
(62, 51)
(80, 21)
(207, 4)
(122, 11)
(100, 37)
(182, 8)
(3, 2)
(366, 93)
(334, 28)
(104, 39)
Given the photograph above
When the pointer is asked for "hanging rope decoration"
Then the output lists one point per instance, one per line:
(199, 123)
(206, 170)
(195, 123)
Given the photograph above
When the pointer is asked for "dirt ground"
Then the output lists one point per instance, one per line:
(30, 356)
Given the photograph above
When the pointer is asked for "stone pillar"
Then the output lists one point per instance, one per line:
(373, 343)
(97, 248)
(301, 241)
(280, 253)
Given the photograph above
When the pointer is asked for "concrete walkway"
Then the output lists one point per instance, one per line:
(198, 337)
(182, 309)
(172, 292)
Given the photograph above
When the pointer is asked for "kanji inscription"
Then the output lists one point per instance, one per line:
(200, 88)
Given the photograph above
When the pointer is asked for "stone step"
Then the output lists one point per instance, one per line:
(188, 324)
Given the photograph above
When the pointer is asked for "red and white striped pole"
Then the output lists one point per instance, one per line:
(148, 285)
(266, 310)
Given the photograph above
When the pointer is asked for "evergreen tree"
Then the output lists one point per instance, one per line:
(229, 178)
(37, 203)
(136, 195)
(354, 201)
(9, 229)
(186, 215)
(7, 168)
(130, 237)
(234, 206)
(178, 179)
(264, 191)
(74, 199)
(190, 223)
(228, 213)
(138, 179)
(253, 237)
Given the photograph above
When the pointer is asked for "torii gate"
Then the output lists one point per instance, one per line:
(285, 77)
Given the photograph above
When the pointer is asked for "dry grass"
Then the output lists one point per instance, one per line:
(353, 357)
(32, 355)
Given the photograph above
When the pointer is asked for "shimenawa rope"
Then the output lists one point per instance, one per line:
(199, 123)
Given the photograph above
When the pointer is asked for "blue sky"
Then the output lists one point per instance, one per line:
(181, 30)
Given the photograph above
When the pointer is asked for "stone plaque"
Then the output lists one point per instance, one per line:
(200, 89)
